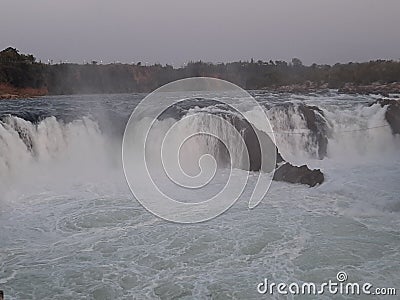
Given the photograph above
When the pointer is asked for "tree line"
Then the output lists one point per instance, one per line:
(23, 71)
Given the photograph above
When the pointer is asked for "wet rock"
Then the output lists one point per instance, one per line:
(392, 114)
(254, 139)
(316, 122)
(302, 174)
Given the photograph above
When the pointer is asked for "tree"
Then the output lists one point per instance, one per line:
(297, 62)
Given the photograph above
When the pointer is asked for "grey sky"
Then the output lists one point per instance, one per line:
(176, 31)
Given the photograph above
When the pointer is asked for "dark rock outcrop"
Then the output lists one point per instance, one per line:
(254, 139)
(318, 126)
(392, 114)
(316, 122)
(302, 174)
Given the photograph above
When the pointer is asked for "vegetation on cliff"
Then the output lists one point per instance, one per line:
(21, 71)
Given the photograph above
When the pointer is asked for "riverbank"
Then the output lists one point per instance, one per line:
(374, 88)
(9, 92)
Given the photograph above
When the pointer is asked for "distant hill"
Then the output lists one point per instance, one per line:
(20, 72)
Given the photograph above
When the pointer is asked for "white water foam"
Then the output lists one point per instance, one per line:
(71, 229)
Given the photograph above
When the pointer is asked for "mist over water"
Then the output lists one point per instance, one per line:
(70, 227)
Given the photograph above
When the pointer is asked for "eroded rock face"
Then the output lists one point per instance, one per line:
(252, 138)
(318, 126)
(251, 135)
(255, 140)
(302, 174)
(392, 114)
(315, 121)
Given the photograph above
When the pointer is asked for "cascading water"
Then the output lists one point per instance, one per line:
(361, 132)
(51, 147)
(350, 132)
(70, 228)
(355, 131)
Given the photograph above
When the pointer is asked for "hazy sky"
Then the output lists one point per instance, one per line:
(176, 31)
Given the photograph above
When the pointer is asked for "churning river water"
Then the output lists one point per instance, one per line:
(71, 229)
